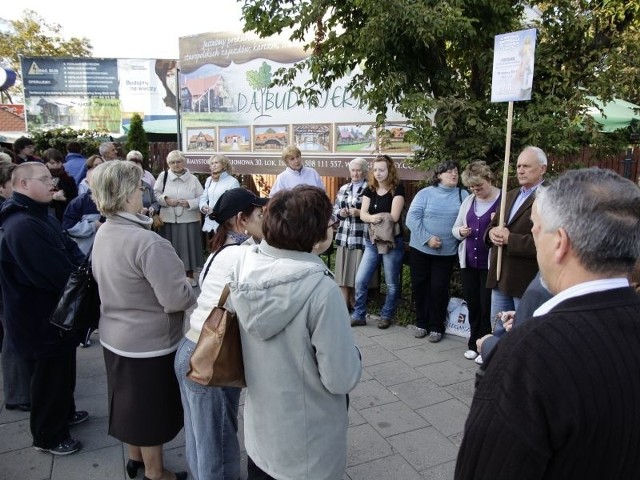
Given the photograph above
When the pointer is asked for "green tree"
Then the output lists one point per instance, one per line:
(137, 139)
(32, 35)
(432, 62)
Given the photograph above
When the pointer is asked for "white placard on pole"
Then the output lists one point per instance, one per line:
(513, 61)
(512, 81)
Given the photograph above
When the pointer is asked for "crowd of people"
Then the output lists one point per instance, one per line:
(295, 316)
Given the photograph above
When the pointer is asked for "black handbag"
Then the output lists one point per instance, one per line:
(79, 305)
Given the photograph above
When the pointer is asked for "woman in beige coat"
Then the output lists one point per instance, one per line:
(178, 193)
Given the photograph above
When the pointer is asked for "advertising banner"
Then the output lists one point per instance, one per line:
(99, 93)
(227, 105)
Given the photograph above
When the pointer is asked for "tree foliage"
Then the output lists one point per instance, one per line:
(137, 138)
(431, 60)
(33, 36)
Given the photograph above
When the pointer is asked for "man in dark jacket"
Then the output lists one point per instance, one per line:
(518, 250)
(559, 398)
(36, 259)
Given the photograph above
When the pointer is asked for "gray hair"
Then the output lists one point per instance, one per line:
(600, 211)
(176, 155)
(540, 155)
(135, 154)
(104, 146)
(112, 183)
(5, 158)
(360, 162)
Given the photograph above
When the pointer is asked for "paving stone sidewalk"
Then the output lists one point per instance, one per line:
(405, 421)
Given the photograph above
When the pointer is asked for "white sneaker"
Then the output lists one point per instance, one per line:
(470, 354)
(478, 360)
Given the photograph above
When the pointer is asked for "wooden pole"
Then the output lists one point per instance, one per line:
(505, 179)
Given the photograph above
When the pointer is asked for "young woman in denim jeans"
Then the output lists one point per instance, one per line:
(211, 413)
(383, 198)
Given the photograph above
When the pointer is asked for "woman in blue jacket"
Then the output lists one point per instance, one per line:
(433, 248)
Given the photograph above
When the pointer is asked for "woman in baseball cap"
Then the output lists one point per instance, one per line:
(211, 413)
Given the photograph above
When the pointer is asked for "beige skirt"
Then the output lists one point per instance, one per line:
(346, 267)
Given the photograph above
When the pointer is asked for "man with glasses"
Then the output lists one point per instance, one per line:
(36, 259)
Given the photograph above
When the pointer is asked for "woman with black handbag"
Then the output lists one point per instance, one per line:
(144, 295)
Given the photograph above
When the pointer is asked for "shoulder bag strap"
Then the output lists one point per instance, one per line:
(223, 296)
(164, 180)
(213, 258)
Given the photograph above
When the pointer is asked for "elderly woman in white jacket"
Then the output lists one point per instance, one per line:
(219, 182)
(473, 219)
(300, 358)
(178, 193)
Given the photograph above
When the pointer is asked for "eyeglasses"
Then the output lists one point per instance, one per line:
(174, 162)
(334, 221)
(475, 188)
(46, 180)
(141, 187)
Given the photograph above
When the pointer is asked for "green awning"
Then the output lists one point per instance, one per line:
(615, 114)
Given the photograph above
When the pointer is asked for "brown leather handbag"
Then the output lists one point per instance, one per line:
(217, 358)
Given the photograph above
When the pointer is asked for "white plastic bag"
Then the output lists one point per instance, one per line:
(457, 318)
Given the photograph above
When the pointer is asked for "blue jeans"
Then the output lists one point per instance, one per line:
(210, 423)
(392, 263)
(501, 303)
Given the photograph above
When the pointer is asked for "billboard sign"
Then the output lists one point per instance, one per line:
(100, 93)
(227, 105)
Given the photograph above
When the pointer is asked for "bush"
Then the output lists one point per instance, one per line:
(59, 137)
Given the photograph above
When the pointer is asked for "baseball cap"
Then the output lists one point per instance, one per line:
(235, 201)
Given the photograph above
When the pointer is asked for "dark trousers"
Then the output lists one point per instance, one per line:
(478, 298)
(52, 398)
(16, 375)
(255, 472)
(430, 277)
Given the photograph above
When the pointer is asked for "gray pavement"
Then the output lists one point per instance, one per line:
(405, 421)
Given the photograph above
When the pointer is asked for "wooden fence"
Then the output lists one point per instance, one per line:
(625, 163)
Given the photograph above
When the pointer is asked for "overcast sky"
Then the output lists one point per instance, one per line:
(130, 28)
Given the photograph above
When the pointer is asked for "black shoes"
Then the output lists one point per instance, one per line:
(78, 417)
(23, 407)
(384, 323)
(69, 446)
(358, 323)
(179, 476)
(133, 466)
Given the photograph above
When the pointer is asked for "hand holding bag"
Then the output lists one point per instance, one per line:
(79, 305)
(217, 358)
